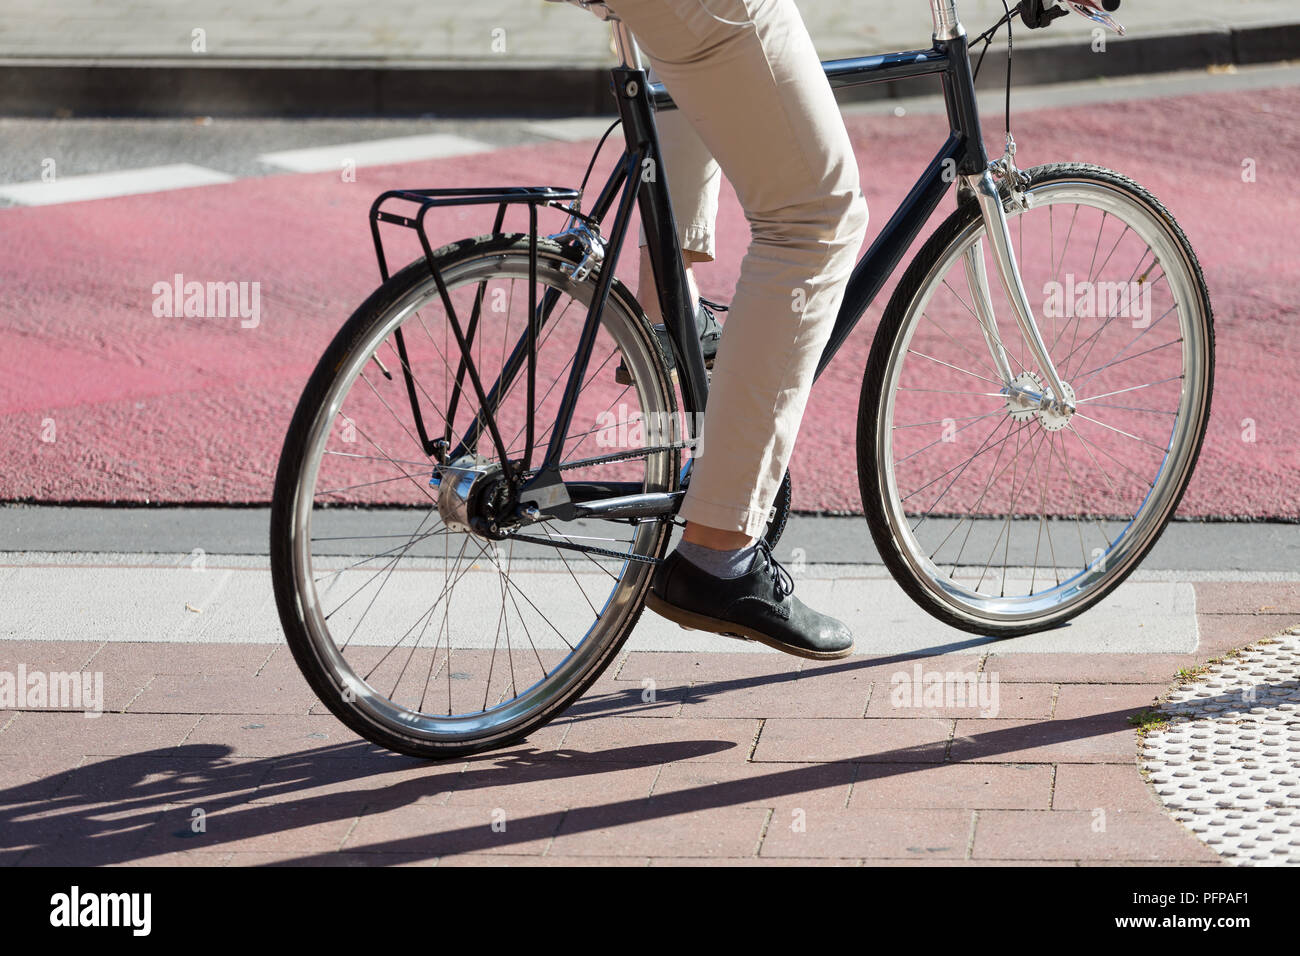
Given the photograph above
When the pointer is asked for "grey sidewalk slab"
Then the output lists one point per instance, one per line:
(511, 57)
(225, 599)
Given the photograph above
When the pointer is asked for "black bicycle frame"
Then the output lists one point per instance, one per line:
(638, 178)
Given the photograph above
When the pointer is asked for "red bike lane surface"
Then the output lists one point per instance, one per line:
(105, 401)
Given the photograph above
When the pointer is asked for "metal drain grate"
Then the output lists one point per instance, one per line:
(1227, 766)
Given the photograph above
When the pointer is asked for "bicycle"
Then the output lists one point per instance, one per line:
(531, 519)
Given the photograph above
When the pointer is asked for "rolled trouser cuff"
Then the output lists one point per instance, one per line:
(725, 517)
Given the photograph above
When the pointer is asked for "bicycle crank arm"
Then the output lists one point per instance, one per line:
(986, 194)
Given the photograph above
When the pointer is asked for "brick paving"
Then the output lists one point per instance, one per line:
(209, 756)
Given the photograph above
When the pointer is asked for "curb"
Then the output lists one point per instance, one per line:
(47, 87)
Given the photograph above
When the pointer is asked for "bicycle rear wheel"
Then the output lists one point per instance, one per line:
(420, 635)
(998, 516)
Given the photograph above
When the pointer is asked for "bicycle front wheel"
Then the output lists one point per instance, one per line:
(418, 633)
(999, 516)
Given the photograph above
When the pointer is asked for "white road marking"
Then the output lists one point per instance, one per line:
(99, 599)
(127, 182)
(574, 130)
(375, 152)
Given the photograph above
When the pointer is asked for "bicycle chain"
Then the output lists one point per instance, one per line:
(617, 456)
(591, 548)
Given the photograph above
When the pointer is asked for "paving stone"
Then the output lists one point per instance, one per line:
(882, 834)
(1083, 835)
(121, 687)
(65, 734)
(1113, 701)
(186, 858)
(1247, 597)
(1220, 633)
(164, 778)
(173, 657)
(611, 698)
(870, 740)
(951, 786)
(765, 861)
(630, 740)
(645, 830)
(805, 694)
(357, 782)
(438, 831)
(1088, 668)
(71, 833)
(330, 859)
(249, 826)
(1079, 740)
(556, 784)
(694, 785)
(1109, 786)
(730, 670)
(962, 699)
(275, 735)
(47, 655)
(29, 777)
(223, 694)
(504, 859)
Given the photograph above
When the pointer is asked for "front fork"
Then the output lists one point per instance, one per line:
(984, 188)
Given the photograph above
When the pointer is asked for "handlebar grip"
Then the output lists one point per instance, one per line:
(1110, 5)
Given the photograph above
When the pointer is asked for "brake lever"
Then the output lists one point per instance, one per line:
(1094, 12)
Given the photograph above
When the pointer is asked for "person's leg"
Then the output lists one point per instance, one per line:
(754, 91)
(758, 99)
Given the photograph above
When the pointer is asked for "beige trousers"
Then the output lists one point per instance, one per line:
(756, 100)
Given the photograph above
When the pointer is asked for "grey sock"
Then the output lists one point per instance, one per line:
(720, 564)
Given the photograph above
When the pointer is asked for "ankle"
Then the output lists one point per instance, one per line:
(718, 539)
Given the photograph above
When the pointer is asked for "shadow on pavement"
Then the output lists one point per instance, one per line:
(133, 807)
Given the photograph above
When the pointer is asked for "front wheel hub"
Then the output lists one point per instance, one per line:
(1054, 416)
(1027, 398)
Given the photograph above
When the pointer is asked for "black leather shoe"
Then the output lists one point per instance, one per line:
(758, 606)
(709, 329)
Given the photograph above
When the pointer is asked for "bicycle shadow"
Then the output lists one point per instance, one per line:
(632, 701)
(134, 807)
(131, 807)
